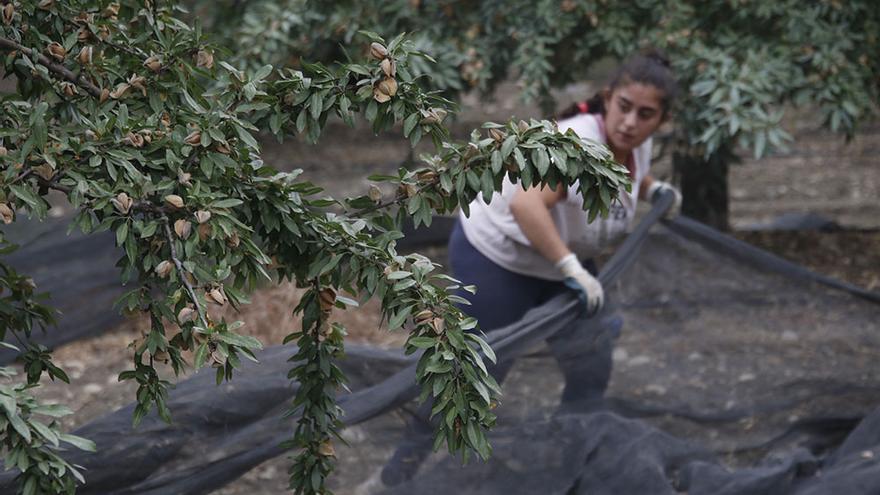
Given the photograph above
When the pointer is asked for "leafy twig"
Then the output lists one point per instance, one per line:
(181, 272)
(58, 69)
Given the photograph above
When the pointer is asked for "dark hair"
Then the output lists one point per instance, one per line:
(650, 67)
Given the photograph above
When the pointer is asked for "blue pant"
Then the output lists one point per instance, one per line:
(583, 351)
(503, 297)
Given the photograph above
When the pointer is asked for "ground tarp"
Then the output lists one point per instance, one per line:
(737, 373)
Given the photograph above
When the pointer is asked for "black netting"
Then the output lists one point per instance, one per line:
(713, 392)
(77, 271)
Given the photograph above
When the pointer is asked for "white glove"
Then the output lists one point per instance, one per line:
(589, 289)
(657, 187)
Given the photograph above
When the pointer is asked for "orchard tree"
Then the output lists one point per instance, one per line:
(741, 64)
(134, 114)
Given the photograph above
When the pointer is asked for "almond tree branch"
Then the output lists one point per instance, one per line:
(56, 68)
(181, 272)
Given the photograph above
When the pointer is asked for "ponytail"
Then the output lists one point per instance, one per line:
(595, 105)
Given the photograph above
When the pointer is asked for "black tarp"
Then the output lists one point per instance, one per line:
(688, 280)
(78, 272)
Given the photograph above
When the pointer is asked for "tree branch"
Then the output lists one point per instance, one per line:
(56, 68)
(24, 175)
(181, 272)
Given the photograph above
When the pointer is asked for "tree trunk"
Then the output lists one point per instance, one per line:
(704, 187)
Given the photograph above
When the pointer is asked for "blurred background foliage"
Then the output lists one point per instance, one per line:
(741, 64)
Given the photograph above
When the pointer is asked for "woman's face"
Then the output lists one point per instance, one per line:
(632, 113)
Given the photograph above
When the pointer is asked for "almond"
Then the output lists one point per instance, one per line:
(153, 63)
(183, 228)
(233, 240)
(326, 449)
(216, 296)
(135, 140)
(380, 96)
(186, 314)
(164, 268)
(202, 216)
(174, 200)
(119, 91)
(6, 213)
(8, 12)
(388, 67)
(85, 55)
(194, 138)
(375, 193)
(326, 299)
(204, 59)
(439, 325)
(56, 51)
(69, 89)
(204, 231)
(423, 316)
(378, 51)
(122, 203)
(388, 86)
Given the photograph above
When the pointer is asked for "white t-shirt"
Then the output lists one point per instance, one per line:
(493, 231)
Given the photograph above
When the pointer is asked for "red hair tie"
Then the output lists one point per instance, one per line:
(583, 107)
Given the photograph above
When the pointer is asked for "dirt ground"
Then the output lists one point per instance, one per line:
(820, 174)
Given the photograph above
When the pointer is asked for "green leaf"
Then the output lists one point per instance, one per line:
(121, 233)
(122, 116)
(301, 121)
(487, 349)
(78, 442)
(316, 479)
(20, 426)
(487, 185)
(410, 123)
(496, 162)
(405, 284)
(30, 486)
(249, 91)
(53, 410)
(245, 341)
(201, 356)
(540, 160)
(28, 196)
(247, 137)
(508, 146)
(520, 159)
(397, 319)
(8, 404)
(315, 105)
(422, 342)
(45, 432)
(226, 203)
(191, 102)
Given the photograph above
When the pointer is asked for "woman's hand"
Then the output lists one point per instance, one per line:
(589, 289)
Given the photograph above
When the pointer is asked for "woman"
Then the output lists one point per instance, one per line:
(523, 247)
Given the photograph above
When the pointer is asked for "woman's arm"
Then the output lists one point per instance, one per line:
(647, 181)
(531, 210)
